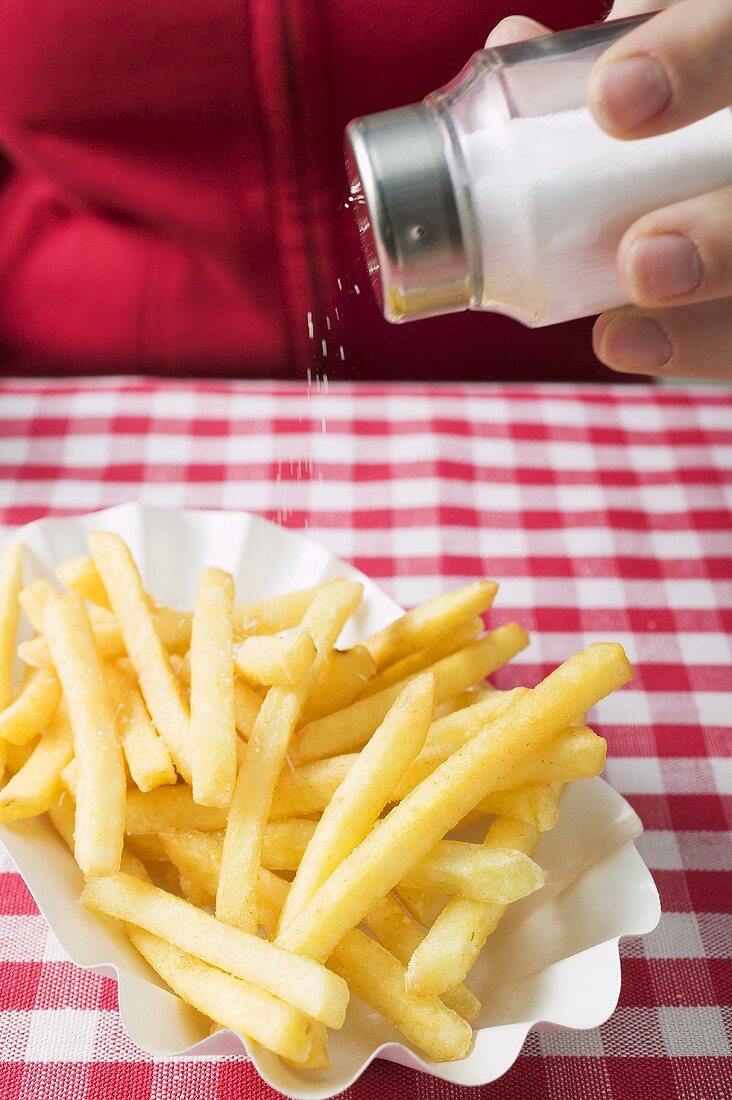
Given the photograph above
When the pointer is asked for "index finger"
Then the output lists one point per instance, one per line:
(672, 70)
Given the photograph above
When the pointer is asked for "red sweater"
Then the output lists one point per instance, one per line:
(173, 189)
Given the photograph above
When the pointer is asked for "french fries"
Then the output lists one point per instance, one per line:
(32, 709)
(365, 791)
(296, 980)
(33, 599)
(147, 757)
(255, 749)
(213, 729)
(456, 938)
(275, 659)
(421, 626)
(236, 897)
(100, 796)
(444, 798)
(338, 681)
(11, 580)
(348, 730)
(37, 784)
(158, 684)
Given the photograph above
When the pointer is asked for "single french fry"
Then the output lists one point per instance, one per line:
(32, 709)
(33, 599)
(377, 978)
(227, 1000)
(144, 646)
(416, 824)
(100, 795)
(348, 730)
(365, 791)
(170, 808)
(296, 980)
(236, 901)
(147, 756)
(38, 783)
(11, 581)
(213, 731)
(474, 871)
(3, 760)
(453, 943)
(342, 676)
(397, 932)
(81, 575)
(422, 659)
(423, 624)
(424, 905)
(275, 659)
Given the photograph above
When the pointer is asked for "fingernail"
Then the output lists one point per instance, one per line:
(635, 343)
(663, 266)
(629, 92)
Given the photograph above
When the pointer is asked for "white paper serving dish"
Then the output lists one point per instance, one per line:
(554, 960)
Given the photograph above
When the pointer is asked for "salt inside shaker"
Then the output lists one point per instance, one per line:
(500, 192)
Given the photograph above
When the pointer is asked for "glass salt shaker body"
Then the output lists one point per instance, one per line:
(500, 192)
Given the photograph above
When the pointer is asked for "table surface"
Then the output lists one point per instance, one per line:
(604, 511)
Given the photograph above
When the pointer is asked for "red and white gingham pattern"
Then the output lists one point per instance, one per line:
(605, 513)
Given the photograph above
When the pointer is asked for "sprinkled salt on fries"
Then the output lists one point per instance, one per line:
(191, 759)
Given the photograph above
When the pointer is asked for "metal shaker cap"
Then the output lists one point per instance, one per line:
(403, 195)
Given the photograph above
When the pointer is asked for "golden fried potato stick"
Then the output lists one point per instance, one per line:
(348, 730)
(296, 980)
(231, 1002)
(377, 978)
(417, 823)
(275, 658)
(146, 754)
(341, 677)
(33, 599)
(145, 649)
(11, 581)
(81, 575)
(236, 901)
(32, 709)
(36, 785)
(421, 626)
(365, 791)
(398, 933)
(212, 729)
(453, 943)
(100, 794)
(422, 659)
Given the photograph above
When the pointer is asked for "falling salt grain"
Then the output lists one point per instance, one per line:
(324, 346)
(341, 352)
(311, 329)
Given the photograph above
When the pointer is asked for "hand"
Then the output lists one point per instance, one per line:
(675, 264)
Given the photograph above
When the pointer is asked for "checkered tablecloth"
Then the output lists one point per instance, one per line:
(605, 513)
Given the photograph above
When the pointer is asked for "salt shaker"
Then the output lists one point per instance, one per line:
(500, 192)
